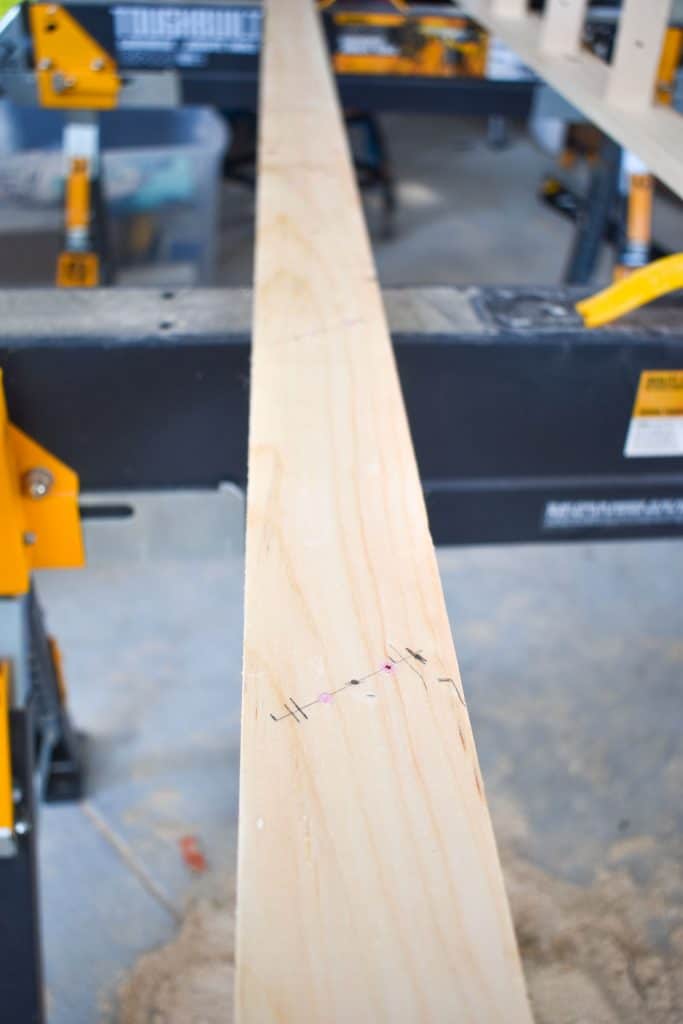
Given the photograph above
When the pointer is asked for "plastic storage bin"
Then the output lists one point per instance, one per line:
(161, 170)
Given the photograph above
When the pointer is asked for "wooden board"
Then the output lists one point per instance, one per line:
(654, 133)
(638, 52)
(563, 22)
(369, 883)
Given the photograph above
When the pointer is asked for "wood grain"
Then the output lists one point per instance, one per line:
(654, 133)
(369, 883)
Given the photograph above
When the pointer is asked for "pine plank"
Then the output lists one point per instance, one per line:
(369, 885)
(563, 22)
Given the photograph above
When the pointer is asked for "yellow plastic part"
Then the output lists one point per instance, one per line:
(639, 288)
(37, 530)
(6, 801)
(429, 55)
(668, 67)
(635, 251)
(78, 195)
(78, 270)
(58, 665)
(72, 70)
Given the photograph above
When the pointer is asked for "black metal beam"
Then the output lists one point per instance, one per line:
(409, 94)
(21, 978)
(513, 405)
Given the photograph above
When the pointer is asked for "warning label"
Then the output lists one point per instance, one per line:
(656, 427)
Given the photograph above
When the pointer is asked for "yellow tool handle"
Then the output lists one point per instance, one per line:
(6, 800)
(639, 288)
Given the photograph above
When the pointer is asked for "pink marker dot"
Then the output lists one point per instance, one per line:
(325, 698)
(387, 667)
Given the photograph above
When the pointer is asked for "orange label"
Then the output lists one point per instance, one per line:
(78, 270)
(660, 393)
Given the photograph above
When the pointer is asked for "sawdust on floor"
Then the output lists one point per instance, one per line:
(592, 955)
(189, 981)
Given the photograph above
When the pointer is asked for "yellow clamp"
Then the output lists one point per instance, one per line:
(639, 288)
(72, 70)
(39, 520)
(77, 268)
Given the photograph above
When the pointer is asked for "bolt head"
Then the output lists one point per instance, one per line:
(37, 483)
(97, 64)
(61, 83)
(45, 64)
(21, 828)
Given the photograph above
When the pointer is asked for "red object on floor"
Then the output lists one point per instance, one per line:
(192, 854)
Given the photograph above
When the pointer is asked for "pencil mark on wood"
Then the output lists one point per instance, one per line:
(320, 332)
(389, 667)
(449, 679)
(412, 668)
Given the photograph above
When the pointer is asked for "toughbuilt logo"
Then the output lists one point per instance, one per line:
(238, 28)
(563, 515)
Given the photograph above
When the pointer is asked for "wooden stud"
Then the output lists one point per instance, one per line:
(369, 885)
(562, 25)
(638, 53)
(510, 8)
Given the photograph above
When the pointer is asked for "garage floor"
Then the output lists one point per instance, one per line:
(572, 658)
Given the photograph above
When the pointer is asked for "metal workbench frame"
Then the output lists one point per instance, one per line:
(513, 405)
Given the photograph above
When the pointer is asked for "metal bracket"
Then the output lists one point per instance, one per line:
(39, 520)
(72, 69)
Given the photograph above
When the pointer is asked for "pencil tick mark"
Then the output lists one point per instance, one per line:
(412, 667)
(455, 686)
(417, 655)
(292, 709)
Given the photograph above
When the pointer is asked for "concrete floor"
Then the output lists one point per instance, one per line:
(572, 657)
(466, 214)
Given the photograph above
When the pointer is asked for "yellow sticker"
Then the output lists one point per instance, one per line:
(78, 270)
(656, 427)
(660, 393)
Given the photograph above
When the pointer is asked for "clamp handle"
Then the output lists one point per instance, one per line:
(639, 288)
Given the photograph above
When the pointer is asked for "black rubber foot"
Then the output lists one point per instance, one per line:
(65, 782)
